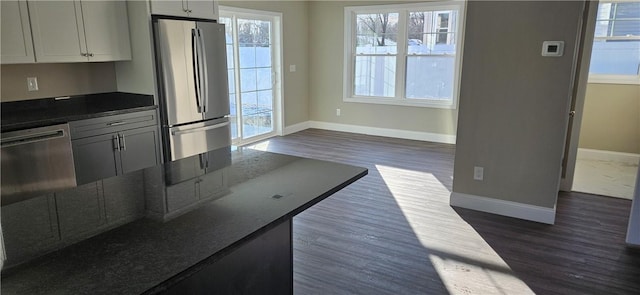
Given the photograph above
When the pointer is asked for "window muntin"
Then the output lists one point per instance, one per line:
(615, 55)
(403, 54)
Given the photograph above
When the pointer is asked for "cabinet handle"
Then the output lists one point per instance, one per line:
(90, 54)
(84, 54)
(116, 123)
(123, 143)
(116, 143)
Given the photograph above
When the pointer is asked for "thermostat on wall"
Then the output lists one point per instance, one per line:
(552, 48)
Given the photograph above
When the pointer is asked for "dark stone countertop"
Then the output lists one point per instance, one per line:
(148, 255)
(48, 111)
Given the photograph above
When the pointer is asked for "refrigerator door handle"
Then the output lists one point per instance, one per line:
(199, 129)
(203, 74)
(195, 48)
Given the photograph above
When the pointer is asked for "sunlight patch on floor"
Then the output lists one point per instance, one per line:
(607, 178)
(260, 146)
(470, 268)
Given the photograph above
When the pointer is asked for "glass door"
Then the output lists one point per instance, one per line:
(252, 87)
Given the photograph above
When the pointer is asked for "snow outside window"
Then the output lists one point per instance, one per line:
(404, 54)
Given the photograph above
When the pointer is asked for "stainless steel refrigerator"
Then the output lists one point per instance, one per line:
(192, 85)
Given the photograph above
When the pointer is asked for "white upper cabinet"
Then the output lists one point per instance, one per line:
(207, 9)
(80, 31)
(16, 45)
(106, 28)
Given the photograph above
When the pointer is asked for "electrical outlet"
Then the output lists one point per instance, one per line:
(478, 173)
(32, 83)
(338, 112)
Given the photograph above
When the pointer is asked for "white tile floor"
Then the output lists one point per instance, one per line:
(608, 178)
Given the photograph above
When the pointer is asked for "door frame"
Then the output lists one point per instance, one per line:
(578, 94)
(276, 62)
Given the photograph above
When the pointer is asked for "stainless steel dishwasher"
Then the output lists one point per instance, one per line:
(36, 161)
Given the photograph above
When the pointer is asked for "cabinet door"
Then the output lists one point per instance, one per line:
(95, 157)
(80, 210)
(106, 29)
(181, 195)
(171, 7)
(139, 148)
(29, 228)
(206, 9)
(201, 8)
(16, 43)
(211, 184)
(58, 31)
(124, 198)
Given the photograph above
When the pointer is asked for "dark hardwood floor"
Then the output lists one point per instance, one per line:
(393, 232)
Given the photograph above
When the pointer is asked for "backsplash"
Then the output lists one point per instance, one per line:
(56, 80)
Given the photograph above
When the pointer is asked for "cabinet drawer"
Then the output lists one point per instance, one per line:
(110, 124)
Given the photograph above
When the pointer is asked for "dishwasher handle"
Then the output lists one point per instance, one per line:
(31, 138)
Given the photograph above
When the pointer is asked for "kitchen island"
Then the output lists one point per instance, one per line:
(238, 242)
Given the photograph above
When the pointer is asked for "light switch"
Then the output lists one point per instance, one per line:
(292, 68)
(32, 83)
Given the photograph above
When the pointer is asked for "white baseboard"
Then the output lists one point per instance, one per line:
(601, 155)
(633, 230)
(296, 127)
(386, 132)
(505, 208)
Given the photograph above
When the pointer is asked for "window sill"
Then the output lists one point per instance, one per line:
(403, 102)
(614, 79)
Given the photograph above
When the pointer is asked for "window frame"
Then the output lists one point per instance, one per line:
(402, 54)
(613, 78)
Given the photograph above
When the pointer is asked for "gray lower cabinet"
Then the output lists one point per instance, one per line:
(49, 222)
(29, 228)
(80, 210)
(170, 201)
(182, 194)
(123, 198)
(115, 145)
(139, 149)
(95, 158)
(186, 194)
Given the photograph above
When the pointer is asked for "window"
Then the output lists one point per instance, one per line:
(404, 54)
(616, 44)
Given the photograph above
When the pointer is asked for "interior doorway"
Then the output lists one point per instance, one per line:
(254, 69)
(604, 158)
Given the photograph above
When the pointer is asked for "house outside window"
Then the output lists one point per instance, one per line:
(404, 54)
(616, 47)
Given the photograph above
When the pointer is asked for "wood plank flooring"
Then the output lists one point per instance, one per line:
(393, 232)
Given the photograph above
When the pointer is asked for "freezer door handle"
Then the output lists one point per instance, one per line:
(204, 85)
(195, 48)
(199, 129)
